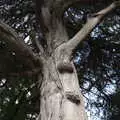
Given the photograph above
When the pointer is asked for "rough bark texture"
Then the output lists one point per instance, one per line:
(61, 98)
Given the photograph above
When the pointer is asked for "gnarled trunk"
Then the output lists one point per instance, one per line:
(61, 98)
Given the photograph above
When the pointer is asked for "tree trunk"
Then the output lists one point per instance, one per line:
(61, 98)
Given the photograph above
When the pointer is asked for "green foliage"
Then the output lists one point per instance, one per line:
(19, 99)
(113, 106)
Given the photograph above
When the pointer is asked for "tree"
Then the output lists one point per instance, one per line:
(59, 88)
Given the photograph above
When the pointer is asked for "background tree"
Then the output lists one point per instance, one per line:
(13, 53)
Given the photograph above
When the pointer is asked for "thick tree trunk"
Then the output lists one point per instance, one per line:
(61, 98)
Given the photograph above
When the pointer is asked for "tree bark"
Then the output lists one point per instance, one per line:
(61, 98)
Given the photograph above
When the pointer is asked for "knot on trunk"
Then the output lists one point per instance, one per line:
(73, 97)
(65, 67)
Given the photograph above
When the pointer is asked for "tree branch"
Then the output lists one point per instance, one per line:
(15, 43)
(92, 21)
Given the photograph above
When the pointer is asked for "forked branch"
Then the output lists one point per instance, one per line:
(91, 23)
